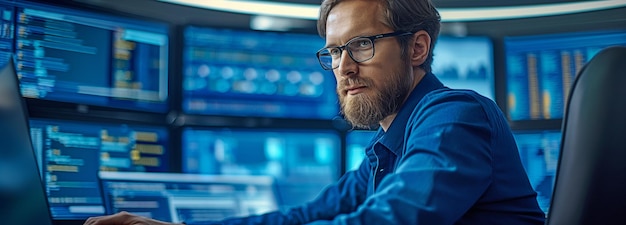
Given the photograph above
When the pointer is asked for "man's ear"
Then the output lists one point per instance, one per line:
(420, 48)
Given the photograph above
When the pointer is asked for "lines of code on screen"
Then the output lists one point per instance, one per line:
(72, 153)
(86, 58)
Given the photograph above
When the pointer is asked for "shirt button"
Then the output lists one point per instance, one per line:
(381, 170)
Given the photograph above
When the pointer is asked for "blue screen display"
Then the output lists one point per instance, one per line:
(539, 152)
(356, 142)
(72, 153)
(248, 73)
(303, 162)
(465, 63)
(93, 59)
(190, 198)
(540, 70)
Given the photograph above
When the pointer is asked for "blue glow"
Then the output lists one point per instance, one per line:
(356, 142)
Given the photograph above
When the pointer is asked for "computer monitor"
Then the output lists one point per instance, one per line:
(540, 70)
(539, 152)
(252, 73)
(302, 161)
(465, 63)
(356, 142)
(72, 152)
(22, 196)
(190, 198)
(87, 58)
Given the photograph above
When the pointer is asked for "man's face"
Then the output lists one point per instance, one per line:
(374, 89)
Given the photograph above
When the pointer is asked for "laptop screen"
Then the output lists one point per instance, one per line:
(71, 153)
(22, 197)
(192, 198)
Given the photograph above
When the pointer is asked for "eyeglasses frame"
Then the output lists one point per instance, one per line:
(345, 47)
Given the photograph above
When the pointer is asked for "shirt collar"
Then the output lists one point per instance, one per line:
(393, 139)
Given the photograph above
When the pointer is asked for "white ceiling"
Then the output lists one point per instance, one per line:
(184, 15)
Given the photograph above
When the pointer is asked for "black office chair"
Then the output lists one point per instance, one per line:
(590, 185)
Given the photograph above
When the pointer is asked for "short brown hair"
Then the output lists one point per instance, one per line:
(400, 15)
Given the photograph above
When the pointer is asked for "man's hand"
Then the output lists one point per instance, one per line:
(123, 218)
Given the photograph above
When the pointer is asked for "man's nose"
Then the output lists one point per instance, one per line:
(347, 66)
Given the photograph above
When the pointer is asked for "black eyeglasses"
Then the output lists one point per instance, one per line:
(360, 49)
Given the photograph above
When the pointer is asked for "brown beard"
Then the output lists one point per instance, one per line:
(367, 110)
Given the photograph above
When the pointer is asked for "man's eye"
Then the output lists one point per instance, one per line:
(364, 43)
(334, 51)
(360, 44)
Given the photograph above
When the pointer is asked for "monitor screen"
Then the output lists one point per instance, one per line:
(189, 198)
(356, 142)
(303, 162)
(254, 73)
(540, 70)
(92, 59)
(71, 154)
(539, 152)
(465, 63)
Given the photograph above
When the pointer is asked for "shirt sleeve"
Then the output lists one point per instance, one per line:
(342, 197)
(445, 169)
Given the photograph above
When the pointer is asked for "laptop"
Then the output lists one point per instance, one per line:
(191, 198)
(23, 199)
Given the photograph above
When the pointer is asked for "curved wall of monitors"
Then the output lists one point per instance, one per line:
(67, 55)
(89, 58)
(540, 70)
(253, 73)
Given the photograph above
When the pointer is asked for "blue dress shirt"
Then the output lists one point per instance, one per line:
(449, 157)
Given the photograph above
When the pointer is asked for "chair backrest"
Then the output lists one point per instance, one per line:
(590, 185)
